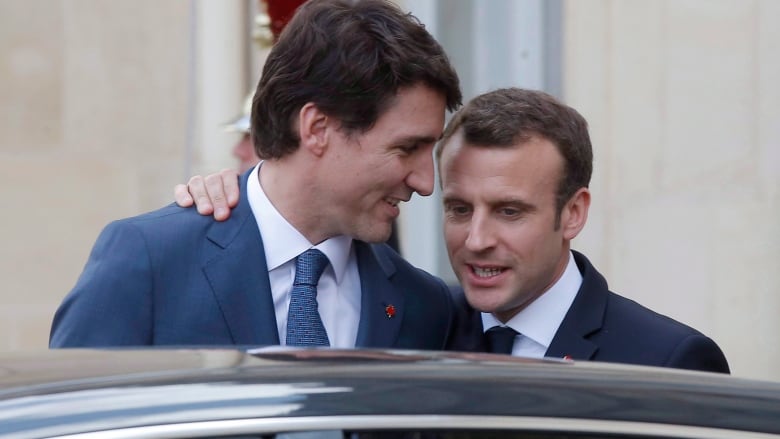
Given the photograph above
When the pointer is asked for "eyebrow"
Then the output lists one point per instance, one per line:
(516, 202)
(525, 206)
(449, 198)
(417, 139)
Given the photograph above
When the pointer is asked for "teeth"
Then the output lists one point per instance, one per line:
(487, 272)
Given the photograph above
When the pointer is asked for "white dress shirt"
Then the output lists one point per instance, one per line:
(338, 292)
(539, 321)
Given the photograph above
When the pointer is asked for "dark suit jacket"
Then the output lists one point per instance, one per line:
(174, 277)
(603, 326)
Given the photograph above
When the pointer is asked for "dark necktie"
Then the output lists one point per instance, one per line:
(304, 325)
(500, 339)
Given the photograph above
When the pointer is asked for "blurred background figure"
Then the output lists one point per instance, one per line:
(244, 150)
(268, 24)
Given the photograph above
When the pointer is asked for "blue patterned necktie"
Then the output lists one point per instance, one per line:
(304, 325)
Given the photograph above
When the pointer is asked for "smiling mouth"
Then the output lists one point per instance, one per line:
(393, 201)
(487, 272)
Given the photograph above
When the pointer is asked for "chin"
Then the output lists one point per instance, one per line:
(476, 300)
(485, 300)
(375, 235)
(482, 307)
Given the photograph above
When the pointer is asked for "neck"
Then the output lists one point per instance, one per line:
(291, 186)
(563, 262)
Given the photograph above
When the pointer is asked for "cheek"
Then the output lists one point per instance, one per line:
(378, 175)
(520, 240)
(536, 249)
(448, 238)
(454, 236)
(393, 171)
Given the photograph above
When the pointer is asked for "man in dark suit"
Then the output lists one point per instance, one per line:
(346, 114)
(515, 167)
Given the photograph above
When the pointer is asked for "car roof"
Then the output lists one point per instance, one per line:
(74, 391)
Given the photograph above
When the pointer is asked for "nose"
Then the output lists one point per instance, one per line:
(420, 179)
(480, 237)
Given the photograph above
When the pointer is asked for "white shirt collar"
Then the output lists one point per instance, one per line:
(281, 241)
(540, 320)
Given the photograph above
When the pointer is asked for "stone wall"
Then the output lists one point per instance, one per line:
(683, 102)
(103, 108)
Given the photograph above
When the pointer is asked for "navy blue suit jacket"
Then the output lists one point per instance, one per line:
(603, 326)
(174, 277)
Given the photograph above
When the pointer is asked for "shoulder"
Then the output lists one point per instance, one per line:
(170, 215)
(632, 313)
(169, 234)
(621, 311)
(172, 219)
(635, 333)
(148, 237)
(169, 223)
(685, 347)
(677, 344)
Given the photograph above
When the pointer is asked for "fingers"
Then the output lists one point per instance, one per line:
(199, 194)
(230, 183)
(182, 196)
(216, 194)
(213, 194)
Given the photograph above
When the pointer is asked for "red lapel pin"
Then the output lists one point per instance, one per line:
(390, 311)
(567, 357)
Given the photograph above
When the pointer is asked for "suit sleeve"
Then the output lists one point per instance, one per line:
(698, 352)
(111, 303)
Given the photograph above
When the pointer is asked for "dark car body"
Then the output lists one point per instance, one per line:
(368, 393)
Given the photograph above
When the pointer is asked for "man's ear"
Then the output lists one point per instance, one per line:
(575, 213)
(313, 128)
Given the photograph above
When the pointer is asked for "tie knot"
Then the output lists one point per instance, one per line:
(501, 339)
(309, 267)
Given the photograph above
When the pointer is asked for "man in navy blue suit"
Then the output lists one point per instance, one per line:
(515, 166)
(346, 115)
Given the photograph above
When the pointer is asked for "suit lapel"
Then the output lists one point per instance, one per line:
(376, 329)
(237, 272)
(585, 316)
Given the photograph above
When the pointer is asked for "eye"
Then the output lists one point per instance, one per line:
(409, 149)
(457, 209)
(509, 211)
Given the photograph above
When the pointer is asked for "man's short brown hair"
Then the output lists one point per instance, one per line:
(349, 58)
(510, 116)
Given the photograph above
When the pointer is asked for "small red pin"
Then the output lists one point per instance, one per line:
(390, 311)
(567, 357)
